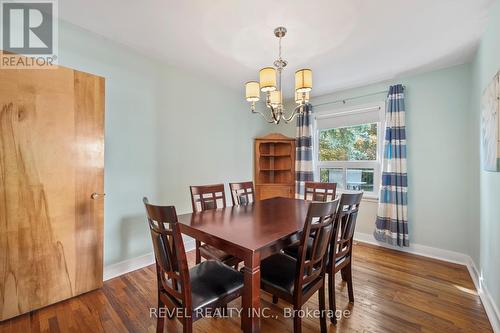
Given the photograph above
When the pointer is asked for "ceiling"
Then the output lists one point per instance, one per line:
(346, 42)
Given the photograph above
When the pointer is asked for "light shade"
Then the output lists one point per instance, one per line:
(267, 76)
(299, 96)
(303, 80)
(252, 91)
(275, 98)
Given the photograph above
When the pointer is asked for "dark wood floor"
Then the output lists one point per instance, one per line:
(394, 292)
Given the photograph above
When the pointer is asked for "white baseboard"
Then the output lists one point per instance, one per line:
(129, 265)
(489, 305)
(421, 250)
(450, 256)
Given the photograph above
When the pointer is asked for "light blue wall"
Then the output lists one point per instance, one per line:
(166, 129)
(485, 66)
(207, 137)
(439, 165)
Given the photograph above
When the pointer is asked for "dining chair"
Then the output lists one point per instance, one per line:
(295, 280)
(340, 253)
(186, 293)
(206, 197)
(317, 191)
(242, 193)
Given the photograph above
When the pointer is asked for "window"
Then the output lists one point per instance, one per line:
(348, 148)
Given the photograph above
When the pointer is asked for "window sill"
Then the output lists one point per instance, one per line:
(370, 198)
(367, 197)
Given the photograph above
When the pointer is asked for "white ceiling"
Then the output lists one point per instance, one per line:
(346, 42)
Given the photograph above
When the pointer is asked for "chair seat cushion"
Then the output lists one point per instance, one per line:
(212, 280)
(278, 272)
(210, 252)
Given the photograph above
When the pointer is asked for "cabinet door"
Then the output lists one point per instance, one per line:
(271, 191)
(52, 160)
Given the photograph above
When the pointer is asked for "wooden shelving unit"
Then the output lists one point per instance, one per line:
(274, 166)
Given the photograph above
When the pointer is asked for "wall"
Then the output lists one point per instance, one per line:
(439, 165)
(485, 66)
(209, 137)
(166, 129)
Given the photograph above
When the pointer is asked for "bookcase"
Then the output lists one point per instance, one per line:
(274, 169)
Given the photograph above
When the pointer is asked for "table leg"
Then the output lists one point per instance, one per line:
(251, 294)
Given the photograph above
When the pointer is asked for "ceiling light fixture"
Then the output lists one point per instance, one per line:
(270, 85)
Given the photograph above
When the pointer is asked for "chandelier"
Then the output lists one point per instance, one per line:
(270, 85)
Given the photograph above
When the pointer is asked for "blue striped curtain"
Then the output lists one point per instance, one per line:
(304, 151)
(392, 218)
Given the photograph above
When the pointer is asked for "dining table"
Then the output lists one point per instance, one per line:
(252, 233)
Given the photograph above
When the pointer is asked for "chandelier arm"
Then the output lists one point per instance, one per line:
(263, 116)
(275, 112)
(295, 113)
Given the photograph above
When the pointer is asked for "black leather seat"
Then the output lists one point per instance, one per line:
(212, 280)
(278, 271)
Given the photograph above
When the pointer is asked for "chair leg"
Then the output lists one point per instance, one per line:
(170, 313)
(187, 326)
(160, 320)
(322, 308)
(297, 321)
(331, 297)
(160, 324)
(224, 310)
(350, 288)
(275, 299)
(343, 272)
(198, 253)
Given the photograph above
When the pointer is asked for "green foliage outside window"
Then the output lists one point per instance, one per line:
(354, 143)
(324, 175)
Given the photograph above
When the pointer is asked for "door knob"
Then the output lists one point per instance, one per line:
(96, 195)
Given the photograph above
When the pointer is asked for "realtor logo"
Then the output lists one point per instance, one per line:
(29, 33)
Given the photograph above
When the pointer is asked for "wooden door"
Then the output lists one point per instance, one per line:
(51, 161)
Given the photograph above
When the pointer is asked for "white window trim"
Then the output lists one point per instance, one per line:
(376, 165)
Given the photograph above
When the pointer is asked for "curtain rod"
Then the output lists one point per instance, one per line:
(344, 100)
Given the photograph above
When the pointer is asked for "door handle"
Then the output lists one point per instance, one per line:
(96, 195)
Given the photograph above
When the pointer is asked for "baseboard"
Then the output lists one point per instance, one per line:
(489, 305)
(421, 250)
(449, 256)
(129, 265)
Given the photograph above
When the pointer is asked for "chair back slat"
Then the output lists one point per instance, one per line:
(242, 193)
(170, 256)
(207, 197)
(345, 223)
(318, 227)
(322, 192)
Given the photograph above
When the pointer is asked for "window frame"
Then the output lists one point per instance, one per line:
(342, 113)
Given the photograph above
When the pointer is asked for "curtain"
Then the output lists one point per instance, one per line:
(304, 151)
(391, 225)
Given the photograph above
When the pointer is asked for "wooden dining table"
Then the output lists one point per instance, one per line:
(251, 233)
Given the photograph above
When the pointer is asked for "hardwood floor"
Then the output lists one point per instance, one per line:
(394, 292)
